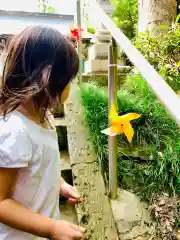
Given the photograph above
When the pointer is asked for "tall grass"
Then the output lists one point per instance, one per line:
(151, 163)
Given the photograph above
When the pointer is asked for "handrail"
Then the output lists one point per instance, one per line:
(163, 91)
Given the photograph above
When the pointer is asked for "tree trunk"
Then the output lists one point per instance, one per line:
(153, 13)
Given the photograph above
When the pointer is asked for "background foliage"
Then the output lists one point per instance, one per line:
(45, 7)
(163, 52)
(126, 16)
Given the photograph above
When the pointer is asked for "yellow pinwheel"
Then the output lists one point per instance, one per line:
(120, 124)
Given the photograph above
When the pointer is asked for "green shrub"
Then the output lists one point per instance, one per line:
(126, 16)
(45, 7)
(163, 52)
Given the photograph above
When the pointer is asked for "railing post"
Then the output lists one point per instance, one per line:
(80, 40)
(112, 92)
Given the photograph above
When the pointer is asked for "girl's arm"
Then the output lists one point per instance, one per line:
(14, 214)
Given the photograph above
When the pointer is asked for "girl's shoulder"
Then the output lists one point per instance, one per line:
(15, 143)
(12, 123)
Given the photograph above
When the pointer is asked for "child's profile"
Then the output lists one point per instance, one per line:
(40, 65)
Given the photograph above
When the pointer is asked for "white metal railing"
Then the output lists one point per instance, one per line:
(164, 93)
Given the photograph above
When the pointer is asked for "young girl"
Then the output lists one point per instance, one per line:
(40, 65)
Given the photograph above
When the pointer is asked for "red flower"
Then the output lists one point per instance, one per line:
(75, 32)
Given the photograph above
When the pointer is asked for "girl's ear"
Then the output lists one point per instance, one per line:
(65, 93)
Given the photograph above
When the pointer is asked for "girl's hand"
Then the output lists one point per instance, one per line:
(70, 193)
(62, 230)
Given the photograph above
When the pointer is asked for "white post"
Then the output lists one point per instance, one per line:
(78, 8)
(112, 99)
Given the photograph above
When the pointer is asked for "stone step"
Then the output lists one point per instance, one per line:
(60, 121)
(62, 138)
(65, 161)
(66, 172)
(68, 212)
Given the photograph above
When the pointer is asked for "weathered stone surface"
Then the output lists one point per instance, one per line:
(98, 51)
(68, 212)
(178, 235)
(131, 217)
(80, 146)
(101, 65)
(94, 212)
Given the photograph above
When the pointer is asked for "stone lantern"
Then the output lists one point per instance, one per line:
(98, 53)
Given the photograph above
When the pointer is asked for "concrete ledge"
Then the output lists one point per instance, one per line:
(80, 146)
(94, 212)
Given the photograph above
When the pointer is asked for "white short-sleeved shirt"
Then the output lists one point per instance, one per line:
(34, 150)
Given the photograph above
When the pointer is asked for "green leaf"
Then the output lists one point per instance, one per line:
(165, 27)
(177, 19)
(51, 9)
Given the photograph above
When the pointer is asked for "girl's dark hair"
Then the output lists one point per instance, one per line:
(40, 64)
